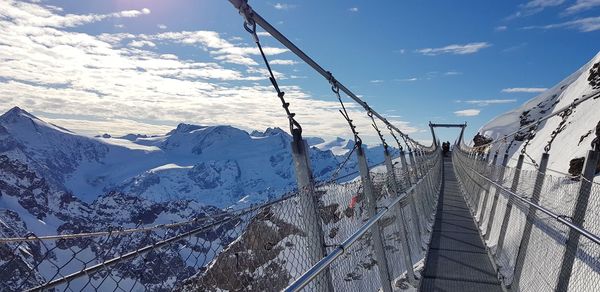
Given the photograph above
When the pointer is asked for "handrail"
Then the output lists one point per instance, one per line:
(324, 263)
(559, 218)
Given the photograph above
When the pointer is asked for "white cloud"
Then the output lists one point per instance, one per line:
(467, 113)
(407, 79)
(162, 26)
(376, 81)
(524, 89)
(542, 3)
(112, 86)
(501, 28)
(131, 13)
(450, 73)
(141, 43)
(220, 48)
(353, 9)
(534, 6)
(282, 62)
(582, 5)
(486, 102)
(119, 26)
(284, 6)
(455, 49)
(168, 56)
(588, 24)
(116, 127)
(30, 14)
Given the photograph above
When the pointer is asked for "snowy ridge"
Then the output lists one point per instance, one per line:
(214, 165)
(572, 142)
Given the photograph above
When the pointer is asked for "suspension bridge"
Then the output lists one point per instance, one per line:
(423, 220)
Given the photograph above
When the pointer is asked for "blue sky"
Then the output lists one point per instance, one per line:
(144, 66)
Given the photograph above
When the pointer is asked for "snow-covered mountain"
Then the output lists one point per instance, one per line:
(578, 128)
(53, 181)
(213, 165)
(30, 206)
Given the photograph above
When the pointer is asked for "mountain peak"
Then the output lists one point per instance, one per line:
(269, 132)
(185, 128)
(274, 131)
(15, 113)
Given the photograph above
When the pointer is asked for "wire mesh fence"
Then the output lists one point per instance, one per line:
(251, 249)
(259, 248)
(529, 252)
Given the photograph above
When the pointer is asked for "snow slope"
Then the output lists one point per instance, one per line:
(570, 143)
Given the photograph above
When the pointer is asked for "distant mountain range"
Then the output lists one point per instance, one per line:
(219, 166)
(54, 181)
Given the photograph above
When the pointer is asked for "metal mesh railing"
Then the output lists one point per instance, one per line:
(351, 257)
(259, 248)
(530, 251)
(251, 249)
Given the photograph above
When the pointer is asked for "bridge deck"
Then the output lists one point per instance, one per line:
(457, 259)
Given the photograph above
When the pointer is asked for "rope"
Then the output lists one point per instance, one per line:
(250, 26)
(385, 145)
(561, 126)
(397, 141)
(336, 89)
(530, 135)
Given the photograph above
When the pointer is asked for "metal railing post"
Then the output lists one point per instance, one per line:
(535, 198)
(384, 274)
(578, 216)
(419, 175)
(424, 185)
(495, 201)
(309, 205)
(509, 204)
(487, 190)
(406, 253)
(475, 165)
(430, 183)
(411, 156)
(483, 166)
(411, 196)
(417, 194)
(420, 161)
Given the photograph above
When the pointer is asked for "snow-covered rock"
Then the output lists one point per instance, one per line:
(573, 141)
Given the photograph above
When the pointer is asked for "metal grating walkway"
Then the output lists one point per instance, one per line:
(457, 259)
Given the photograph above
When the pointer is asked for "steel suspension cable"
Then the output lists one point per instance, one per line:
(385, 145)
(251, 16)
(250, 26)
